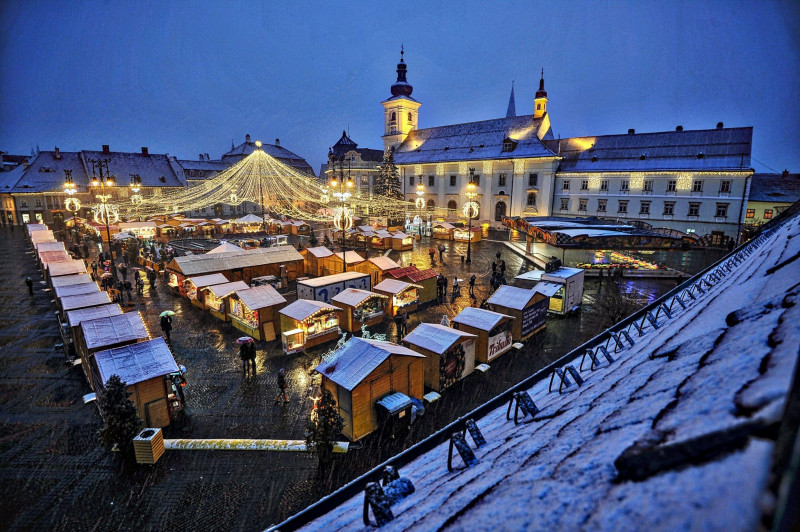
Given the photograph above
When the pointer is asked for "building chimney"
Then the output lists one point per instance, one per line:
(277, 142)
(145, 151)
(631, 131)
(106, 148)
(785, 173)
(719, 125)
(247, 138)
(679, 128)
(58, 153)
(201, 156)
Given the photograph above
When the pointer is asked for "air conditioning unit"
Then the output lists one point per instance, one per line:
(148, 446)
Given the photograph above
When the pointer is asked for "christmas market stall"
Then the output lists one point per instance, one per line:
(424, 278)
(402, 242)
(316, 260)
(324, 288)
(32, 228)
(104, 333)
(47, 257)
(254, 311)
(378, 266)
(42, 236)
(442, 230)
(193, 287)
(564, 286)
(403, 296)
(363, 373)
(216, 296)
(380, 239)
(74, 290)
(69, 328)
(146, 367)
(242, 265)
(461, 234)
(298, 227)
(355, 263)
(249, 223)
(58, 269)
(66, 280)
(359, 308)
(449, 353)
(492, 329)
(91, 299)
(308, 323)
(143, 230)
(528, 307)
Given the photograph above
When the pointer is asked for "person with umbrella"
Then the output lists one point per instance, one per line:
(166, 323)
(247, 354)
(282, 385)
(123, 270)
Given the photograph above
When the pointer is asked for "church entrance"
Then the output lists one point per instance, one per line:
(499, 211)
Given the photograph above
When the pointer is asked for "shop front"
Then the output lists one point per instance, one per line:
(462, 234)
(493, 331)
(306, 323)
(193, 287)
(528, 307)
(216, 298)
(254, 311)
(360, 308)
(449, 353)
(402, 242)
(426, 279)
(403, 296)
(442, 230)
(378, 266)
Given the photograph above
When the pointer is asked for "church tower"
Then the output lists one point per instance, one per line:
(400, 112)
(540, 102)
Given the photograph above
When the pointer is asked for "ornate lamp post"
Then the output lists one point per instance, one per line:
(343, 216)
(105, 213)
(420, 203)
(471, 208)
(71, 203)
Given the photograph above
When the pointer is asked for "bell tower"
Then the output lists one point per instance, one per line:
(400, 112)
(540, 102)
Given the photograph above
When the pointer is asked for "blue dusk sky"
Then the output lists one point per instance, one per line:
(188, 77)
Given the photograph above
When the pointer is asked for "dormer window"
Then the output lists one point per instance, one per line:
(509, 145)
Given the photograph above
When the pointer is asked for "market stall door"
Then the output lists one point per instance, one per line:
(156, 413)
(345, 403)
(400, 382)
(268, 331)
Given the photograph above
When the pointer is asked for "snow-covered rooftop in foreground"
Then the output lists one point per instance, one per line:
(621, 451)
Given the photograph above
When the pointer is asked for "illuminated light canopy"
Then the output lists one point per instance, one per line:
(684, 181)
(637, 181)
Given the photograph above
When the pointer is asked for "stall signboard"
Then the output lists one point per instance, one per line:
(534, 317)
(456, 363)
(499, 344)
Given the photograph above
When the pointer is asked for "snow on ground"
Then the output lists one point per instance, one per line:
(724, 362)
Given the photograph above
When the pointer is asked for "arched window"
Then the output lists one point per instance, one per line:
(452, 205)
(410, 117)
(393, 118)
(431, 203)
(499, 211)
(538, 108)
(531, 199)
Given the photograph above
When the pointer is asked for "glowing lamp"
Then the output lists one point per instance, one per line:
(95, 183)
(258, 144)
(349, 183)
(334, 183)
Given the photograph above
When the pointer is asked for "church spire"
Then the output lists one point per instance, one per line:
(541, 93)
(401, 86)
(540, 101)
(511, 112)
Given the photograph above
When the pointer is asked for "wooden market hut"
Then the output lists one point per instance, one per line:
(192, 288)
(378, 266)
(355, 263)
(69, 327)
(145, 367)
(360, 308)
(492, 329)
(442, 230)
(58, 269)
(242, 265)
(402, 242)
(306, 323)
(254, 311)
(316, 260)
(528, 307)
(50, 246)
(75, 290)
(299, 227)
(32, 228)
(379, 239)
(425, 278)
(449, 353)
(363, 372)
(216, 296)
(402, 296)
(42, 236)
(47, 257)
(104, 333)
(91, 299)
(65, 280)
(461, 234)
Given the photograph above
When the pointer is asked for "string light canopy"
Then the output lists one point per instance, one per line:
(263, 180)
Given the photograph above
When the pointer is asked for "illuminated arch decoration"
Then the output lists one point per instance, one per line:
(471, 209)
(106, 213)
(72, 204)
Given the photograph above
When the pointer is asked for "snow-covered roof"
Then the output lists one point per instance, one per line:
(565, 272)
(75, 317)
(320, 252)
(75, 289)
(207, 280)
(512, 297)
(49, 246)
(547, 288)
(226, 247)
(434, 337)
(622, 451)
(90, 299)
(352, 257)
(303, 308)
(115, 329)
(136, 362)
(70, 267)
(226, 289)
(335, 278)
(479, 318)
(220, 262)
(65, 280)
(776, 188)
(393, 286)
(357, 358)
(445, 225)
(44, 235)
(54, 256)
(260, 297)
(384, 263)
(354, 296)
(399, 235)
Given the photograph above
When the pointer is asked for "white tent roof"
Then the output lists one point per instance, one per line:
(92, 299)
(512, 297)
(303, 308)
(225, 247)
(434, 337)
(249, 219)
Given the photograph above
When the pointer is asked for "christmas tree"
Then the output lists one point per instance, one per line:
(387, 184)
(120, 423)
(324, 425)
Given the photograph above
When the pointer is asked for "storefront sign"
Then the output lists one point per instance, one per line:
(498, 344)
(534, 317)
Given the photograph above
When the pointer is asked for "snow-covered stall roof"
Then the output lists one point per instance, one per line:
(65, 280)
(226, 289)
(354, 296)
(226, 247)
(393, 286)
(70, 267)
(669, 436)
(547, 288)
(335, 278)
(136, 362)
(479, 318)
(111, 330)
(512, 297)
(244, 258)
(75, 317)
(91, 299)
(352, 257)
(320, 252)
(30, 228)
(202, 281)
(357, 358)
(75, 289)
(260, 297)
(434, 337)
(303, 308)
(54, 256)
(383, 263)
(42, 236)
(50, 246)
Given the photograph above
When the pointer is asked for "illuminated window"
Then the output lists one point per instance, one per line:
(624, 186)
(694, 209)
(623, 207)
(672, 185)
(564, 204)
(582, 204)
(431, 180)
(565, 185)
(725, 186)
(501, 180)
(531, 199)
(584, 184)
(722, 210)
(768, 214)
(669, 208)
(533, 180)
(697, 185)
(601, 205)
(452, 205)
(751, 213)
(452, 180)
(604, 184)
(644, 207)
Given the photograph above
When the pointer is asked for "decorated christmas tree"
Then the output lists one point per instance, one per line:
(120, 423)
(324, 425)
(387, 184)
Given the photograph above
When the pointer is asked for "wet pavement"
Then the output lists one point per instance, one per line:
(55, 476)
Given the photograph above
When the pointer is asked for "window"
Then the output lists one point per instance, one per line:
(565, 185)
(538, 107)
(751, 213)
(669, 208)
(38, 202)
(601, 205)
(508, 145)
(584, 184)
(648, 186)
(23, 204)
(623, 207)
(477, 180)
(499, 211)
(694, 209)
(393, 119)
(533, 180)
(410, 117)
(531, 199)
(431, 180)
(644, 207)
(452, 180)
(722, 210)
(624, 186)
(452, 205)
(768, 214)
(411, 180)
(431, 204)
(672, 185)
(501, 180)
(564, 204)
(582, 205)
(697, 185)
(604, 184)
(725, 186)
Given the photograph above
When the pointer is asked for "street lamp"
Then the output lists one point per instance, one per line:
(105, 213)
(343, 217)
(471, 208)
(420, 203)
(71, 203)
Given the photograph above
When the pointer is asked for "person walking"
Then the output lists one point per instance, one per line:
(29, 282)
(282, 385)
(128, 288)
(94, 267)
(503, 268)
(445, 321)
(441, 252)
(494, 267)
(398, 324)
(244, 356)
(139, 285)
(166, 326)
(472, 285)
(432, 253)
(498, 256)
(456, 287)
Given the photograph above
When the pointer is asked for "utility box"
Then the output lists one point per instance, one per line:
(148, 446)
